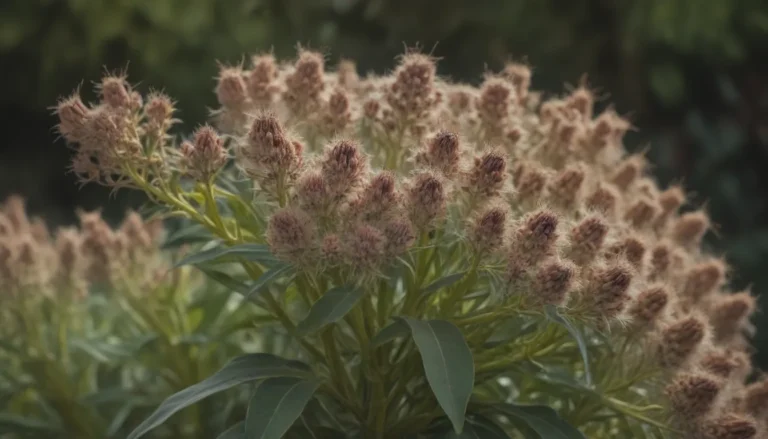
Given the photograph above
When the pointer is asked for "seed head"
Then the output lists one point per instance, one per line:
(632, 249)
(583, 101)
(610, 289)
(206, 154)
(115, 92)
(756, 398)
(488, 230)
(649, 305)
(703, 279)
(671, 199)
(730, 426)
(680, 339)
(312, 193)
(587, 238)
(338, 115)
(71, 261)
(495, 102)
(399, 236)
(343, 168)
(260, 79)
(73, 115)
(719, 364)
(535, 237)
(690, 228)
(411, 94)
(531, 183)
(660, 260)
(553, 282)
(291, 235)
(520, 77)
(332, 251)
(346, 73)
(231, 89)
(693, 395)
(267, 147)
(426, 200)
(305, 84)
(729, 312)
(628, 172)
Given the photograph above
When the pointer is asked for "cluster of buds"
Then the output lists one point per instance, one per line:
(360, 169)
(36, 263)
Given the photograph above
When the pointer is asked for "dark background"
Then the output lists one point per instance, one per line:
(691, 75)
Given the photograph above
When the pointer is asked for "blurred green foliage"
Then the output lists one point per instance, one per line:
(690, 73)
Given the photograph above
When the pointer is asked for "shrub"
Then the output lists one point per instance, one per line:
(446, 261)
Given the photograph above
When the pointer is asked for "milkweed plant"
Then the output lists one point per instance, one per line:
(439, 260)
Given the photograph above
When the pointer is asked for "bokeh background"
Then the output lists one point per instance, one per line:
(692, 75)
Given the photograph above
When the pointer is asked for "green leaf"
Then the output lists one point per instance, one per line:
(226, 280)
(249, 367)
(275, 406)
(268, 276)
(11, 423)
(251, 252)
(236, 431)
(443, 282)
(487, 429)
(543, 420)
(390, 332)
(448, 364)
(552, 313)
(334, 305)
(194, 234)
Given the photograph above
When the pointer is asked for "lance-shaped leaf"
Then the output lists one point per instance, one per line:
(236, 431)
(266, 278)
(330, 308)
(448, 364)
(251, 252)
(541, 419)
(577, 335)
(243, 369)
(275, 406)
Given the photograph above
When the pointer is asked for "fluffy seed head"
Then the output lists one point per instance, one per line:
(206, 154)
(641, 213)
(399, 235)
(531, 183)
(756, 398)
(426, 199)
(692, 395)
(582, 100)
(364, 247)
(535, 237)
(305, 83)
(730, 426)
(115, 92)
(603, 199)
(520, 76)
(332, 251)
(649, 305)
(260, 79)
(671, 199)
(628, 172)
(690, 228)
(378, 201)
(494, 102)
(411, 93)
(632, 249)
(73, 115)
(442, 153)
(610, 289)
(291, 235)
(553, 281)
(488, 175)
(680, 339)
(729, 312)
(312, 192)
(565, 187)
(267, 146)
(231, 89)
(159, 112)
(660, 259)
(718, 363)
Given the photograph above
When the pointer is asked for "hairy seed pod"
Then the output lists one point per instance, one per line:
(730, 426)
(488, 230)
(587, 238)
(535, 237)
(692, 395)
(604, 200)
(610, 290)
(680, 339)
(291, 235)
(231, 89)
(703, 279)
(720, 364)
(426, 200)
(728, 313)
(553, 282)
(690, 228)
(442, 153)
(648, 305)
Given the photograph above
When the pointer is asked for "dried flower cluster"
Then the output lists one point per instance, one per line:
(531, 207)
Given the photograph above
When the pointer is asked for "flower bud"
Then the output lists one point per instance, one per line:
(364, 247)
(641, 213)
(206, 155)
(399, 235)
(73, 115)
(661, 256)
(267, 147)
(488, 175)
(291, 236)
(680, 339)
(535, 237)
(632, 249)
(671, 199)
(553, 282)
(426, 200)
(343, 168)
(115, 92)
(520, 76)
(703, 279)
(693, 395)
(260, 79)
(495, 102)
(338, 115)
(719, 364)
(586, 239)
(411, 94)
(603, 200)
(649, 305)
(332, 251)
(159, 113)
(756, 398)
(488, 230)
(629, 171)
(442, 153)
(610, 287)
(231, 88)
(564, 189)
(729, 312)
(730, 426)
(582, 100)
(312, 193)
(531, 183)
(690, 228)
(304, 85)
(378, 201)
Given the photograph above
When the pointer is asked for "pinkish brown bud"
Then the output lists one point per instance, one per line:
(648, 305)
(719, 364)
(399, 235)
(693, 395)
(729, 312)
(263, 73)
(756, 398)
(364, 247)
(70, 256)
(332, 251)
(604, 200)
(343, 168)
(206, 155)
(632, 249)
(520, 76)
(159, 112)
(641, 213)
(115, 92)
(488, 230)
(73, 115)
(690, 228)
(671, 199)
(267, 146)
(610, 290)
(442, 153)
(378, 201)
(553, 282)
(564, 189)
(488, 175)
(312, 193)
(582, 100)
(587, 238)
(305, 83)
(530, 184)
(703, 279)
(628, 172)
(680, 339)
(661, 256)
(347, 75)
(730, 426)
(291, 236)
(426, 200)
(459, 99)
(338, 115)
(412, 92)
(495, 102)
(535, 238)
(231, 88)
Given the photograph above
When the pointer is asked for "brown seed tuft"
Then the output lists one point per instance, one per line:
(442, 153)
(565, 187)
(364, 247)
(690, 228)
(604, 200)
(231, 89)
(610, 290)
(641, 213)
(693, 395)
(703, 279)
(426, 200)
(729, 312)
(399, 235)
(291, 235)
(488, 230)
(680, 339)
(587, 238)
(730, 426)
(343, 168)
(649, 305)
(553, 281)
